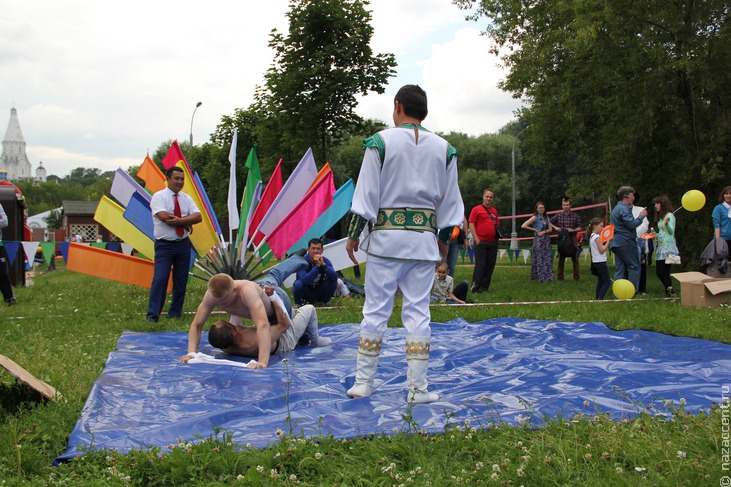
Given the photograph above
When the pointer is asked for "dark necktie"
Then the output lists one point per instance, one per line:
(176, 212)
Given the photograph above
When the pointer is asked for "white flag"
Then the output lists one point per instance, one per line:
(233, 211)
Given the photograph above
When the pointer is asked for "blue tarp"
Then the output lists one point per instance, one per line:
(502, 369)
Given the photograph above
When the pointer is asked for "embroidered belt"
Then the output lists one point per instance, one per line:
(417, 219)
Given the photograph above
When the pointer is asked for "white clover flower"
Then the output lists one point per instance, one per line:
(292, 478)
(260, 469)
(682, 454)
(279, 432)
(240, 477)
(495, 476)
(273, 473)
(318, 456)
(496, 468)
(682, 401)
(640, 469)
(586, 403)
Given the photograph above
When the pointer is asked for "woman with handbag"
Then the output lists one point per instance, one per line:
(666, 252)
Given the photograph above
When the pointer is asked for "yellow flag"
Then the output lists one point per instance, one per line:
(203, 237)
(111, 215)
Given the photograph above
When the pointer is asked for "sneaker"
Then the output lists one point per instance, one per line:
(11, 301)
(475, 289)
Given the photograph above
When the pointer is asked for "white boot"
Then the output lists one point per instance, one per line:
(417, 358)
(369, 348)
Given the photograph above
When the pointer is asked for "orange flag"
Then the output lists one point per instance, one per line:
(114, 266)
(152, 175)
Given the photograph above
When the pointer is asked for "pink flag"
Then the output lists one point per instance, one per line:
(295, 224)
(274, 186)
(294, 190)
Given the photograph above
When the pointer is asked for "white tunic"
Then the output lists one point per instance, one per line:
(414, 174)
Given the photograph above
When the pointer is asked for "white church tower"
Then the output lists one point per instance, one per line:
(41, 175)
(13, 160)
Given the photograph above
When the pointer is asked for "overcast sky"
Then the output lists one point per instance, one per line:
(97, 83)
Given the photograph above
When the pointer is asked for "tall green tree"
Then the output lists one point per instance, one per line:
(630, 90)
(320, 65)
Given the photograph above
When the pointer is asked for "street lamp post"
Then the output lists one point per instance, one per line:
(514, 233)
(191, 121)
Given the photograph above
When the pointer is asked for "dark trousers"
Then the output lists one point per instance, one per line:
(485, 259)
(663, 273)
(321, 293)
(603, 279)
(574, 260)
(5, 285)
(460, 292)
(167, 255)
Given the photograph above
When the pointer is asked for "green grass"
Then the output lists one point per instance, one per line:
(66, 324)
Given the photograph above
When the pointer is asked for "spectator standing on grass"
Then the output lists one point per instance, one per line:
(6, 287)
(571, 222)
(599, 257)
(644, 246)
(722, 216)
(484, 224)
(666, 246)
(541, 262)
(624, 244)
(173, 215)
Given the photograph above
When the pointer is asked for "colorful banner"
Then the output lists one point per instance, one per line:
(339, 208)
(204, 236)
(111, 215)
(301, 218)
(111, 265)
(153, 177)
(291, 194)
(124, 186)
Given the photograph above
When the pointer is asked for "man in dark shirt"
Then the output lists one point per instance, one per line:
(571, 222)
(316, 283)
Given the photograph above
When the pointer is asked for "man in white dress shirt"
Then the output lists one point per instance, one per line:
(407, 189)
(173, 215)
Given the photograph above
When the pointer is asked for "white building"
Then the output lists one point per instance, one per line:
(13, 161)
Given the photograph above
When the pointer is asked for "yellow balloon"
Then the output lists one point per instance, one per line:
(623, 289)
(693, 200)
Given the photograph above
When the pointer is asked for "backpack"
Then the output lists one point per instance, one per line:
(564, 244)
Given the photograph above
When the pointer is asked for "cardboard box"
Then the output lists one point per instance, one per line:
(697, 290)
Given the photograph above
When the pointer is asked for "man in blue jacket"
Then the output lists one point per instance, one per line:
(316, 283)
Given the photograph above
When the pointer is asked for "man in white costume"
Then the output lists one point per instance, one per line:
(407, 188)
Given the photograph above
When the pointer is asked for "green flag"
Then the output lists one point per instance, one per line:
(253, 178)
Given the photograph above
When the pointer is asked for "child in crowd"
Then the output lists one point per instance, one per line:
(443, 289)
(599, 257)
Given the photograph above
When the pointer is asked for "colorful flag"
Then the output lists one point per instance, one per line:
(291, 194)
(340, 207)
(274, 186)
(111, 265)
(173, 156)
(233, 211)
(152, 175)
(139, 214)
(207, 202)
(297, 221)
(111, 216)
(203, 237)
(124, 186)
(252, 179)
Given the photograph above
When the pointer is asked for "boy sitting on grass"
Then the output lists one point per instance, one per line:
(443, 289)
